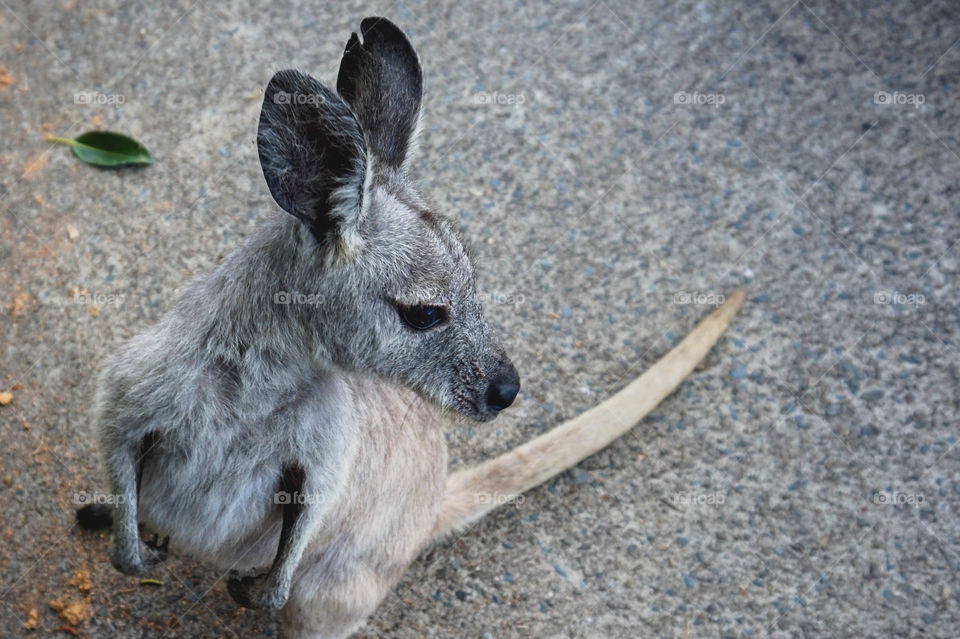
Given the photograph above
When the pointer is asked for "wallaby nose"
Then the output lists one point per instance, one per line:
(503, 388)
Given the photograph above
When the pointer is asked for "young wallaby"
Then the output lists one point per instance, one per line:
(281, 420)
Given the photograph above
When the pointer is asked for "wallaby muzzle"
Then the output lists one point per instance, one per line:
(503, 388)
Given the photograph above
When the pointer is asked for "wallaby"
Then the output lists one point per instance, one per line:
(284, 419)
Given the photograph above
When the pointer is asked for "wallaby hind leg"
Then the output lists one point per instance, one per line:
(333, 608)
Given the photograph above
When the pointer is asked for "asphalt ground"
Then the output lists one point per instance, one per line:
(618, 168)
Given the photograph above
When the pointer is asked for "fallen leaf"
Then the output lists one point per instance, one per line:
(94, 310)
(5, 398)
(39, 199)
(106, 149)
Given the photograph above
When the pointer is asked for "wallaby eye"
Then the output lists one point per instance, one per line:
(422, 317)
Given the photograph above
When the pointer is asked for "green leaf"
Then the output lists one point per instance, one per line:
(103, 148)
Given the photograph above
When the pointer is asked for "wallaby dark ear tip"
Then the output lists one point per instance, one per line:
(377, 28)
(353, 41)
(381, 80)
(284, 73)
(286, 78)
(371, 23)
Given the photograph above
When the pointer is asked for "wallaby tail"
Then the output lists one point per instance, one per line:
(473, 492)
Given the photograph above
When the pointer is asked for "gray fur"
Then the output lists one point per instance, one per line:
(201, 414)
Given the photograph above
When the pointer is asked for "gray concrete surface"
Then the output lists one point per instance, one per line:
(617, 166)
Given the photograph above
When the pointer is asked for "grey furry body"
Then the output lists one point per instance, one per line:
(317, 362)
(310, 363)
(230, 396)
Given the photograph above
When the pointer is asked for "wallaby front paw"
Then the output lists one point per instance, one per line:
(256, 592)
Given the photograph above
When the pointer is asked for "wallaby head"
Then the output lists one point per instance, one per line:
(395, 280)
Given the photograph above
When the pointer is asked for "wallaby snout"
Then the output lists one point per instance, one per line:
(503, 388)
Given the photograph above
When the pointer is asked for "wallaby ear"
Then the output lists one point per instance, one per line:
(381, 80)
(313, 156)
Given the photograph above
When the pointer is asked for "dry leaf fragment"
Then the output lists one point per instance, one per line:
(21, 300)
(34, 165)
(33, 620)
(5, 78)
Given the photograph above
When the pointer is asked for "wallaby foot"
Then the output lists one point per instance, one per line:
(130, 561)
(159, 551)
(256, 591)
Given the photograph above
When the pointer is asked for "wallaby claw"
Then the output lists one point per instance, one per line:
(253, 591)
(159, 551)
